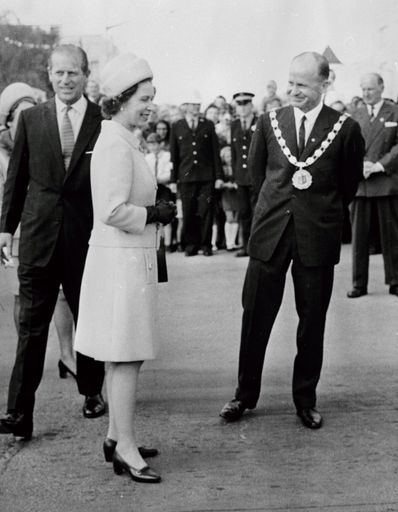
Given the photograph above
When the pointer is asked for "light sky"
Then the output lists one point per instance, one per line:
(222, 46)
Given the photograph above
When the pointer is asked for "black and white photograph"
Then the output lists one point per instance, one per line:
(199, 256)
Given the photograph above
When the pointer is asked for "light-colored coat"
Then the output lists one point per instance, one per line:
(118, 300)
(122, 185)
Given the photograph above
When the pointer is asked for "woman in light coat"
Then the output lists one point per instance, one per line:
(117, 313)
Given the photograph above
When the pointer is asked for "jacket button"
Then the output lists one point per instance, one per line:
(195, 161)
(244, 147)
(287, 212)
(195, 152)
(244, 156)
(244, 166)
(193, 143)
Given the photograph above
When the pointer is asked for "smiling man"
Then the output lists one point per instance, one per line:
(376, 202)
(48, 192)
(305, 161)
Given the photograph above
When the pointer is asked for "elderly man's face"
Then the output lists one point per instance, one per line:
(305, 86)
(371, 89)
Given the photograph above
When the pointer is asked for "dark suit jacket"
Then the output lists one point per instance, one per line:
(240, 151)
(48, 201)
(381, 142)
(195, 155)
(317, 211)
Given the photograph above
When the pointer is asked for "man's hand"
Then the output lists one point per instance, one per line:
(173, 187)
(218, 184)
(371, 168)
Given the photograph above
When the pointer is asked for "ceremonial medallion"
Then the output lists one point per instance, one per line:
(302, 179)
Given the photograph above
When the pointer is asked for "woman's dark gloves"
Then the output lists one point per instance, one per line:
(163, 212)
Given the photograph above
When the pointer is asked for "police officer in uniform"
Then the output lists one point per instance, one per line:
(198, 171)
(242, 130)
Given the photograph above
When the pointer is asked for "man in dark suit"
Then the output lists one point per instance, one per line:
(48, 192)
(242, 130)
(376, 201)
(198, 171)
(306, 162)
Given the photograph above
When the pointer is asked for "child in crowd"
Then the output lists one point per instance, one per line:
(159, 162)
(229, 201)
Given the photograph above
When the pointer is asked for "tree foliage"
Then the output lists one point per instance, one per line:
(24, 51)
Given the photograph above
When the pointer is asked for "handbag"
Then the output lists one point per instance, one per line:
(161, 260)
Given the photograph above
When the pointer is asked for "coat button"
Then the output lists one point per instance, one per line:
(195, 161)
(287, 212)
(244, 147)
(195, 152)
(244, 156)
(194, 143)
(244, 166)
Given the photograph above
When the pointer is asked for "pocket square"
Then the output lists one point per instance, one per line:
(88, 153)
(390, 124)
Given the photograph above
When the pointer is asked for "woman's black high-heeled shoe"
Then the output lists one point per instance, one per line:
(64, 370)
(144, 475)
(110, 445)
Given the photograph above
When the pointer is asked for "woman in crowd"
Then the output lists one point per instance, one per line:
(162, 129)
(117, 313)
(15, 98)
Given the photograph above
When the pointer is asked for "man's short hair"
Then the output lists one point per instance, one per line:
(323, 63)
(71, 49)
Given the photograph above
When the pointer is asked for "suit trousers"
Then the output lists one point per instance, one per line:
(247, 202)
(262, 297)
(38, 290)
(197, 199)
(386, 210)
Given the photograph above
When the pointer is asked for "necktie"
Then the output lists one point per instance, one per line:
(244, 128)
(67, 138)
(372, 113)
(301, 144)
(193, 125)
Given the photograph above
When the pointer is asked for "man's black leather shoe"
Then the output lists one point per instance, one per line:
(310, 418)
(393, 289)
(17, 424)
(94, 406)
(233, 410)
(356, 292)
(242, 253)
(208, 251)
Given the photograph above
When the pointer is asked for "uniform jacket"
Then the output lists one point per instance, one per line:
(240, 144)
(122, 186)
(195, 155)
(317, 212)
(381, 142)
(49, 201)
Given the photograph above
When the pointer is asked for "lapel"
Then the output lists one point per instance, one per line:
(378, 124)
(89, 125)
(323, 124)
(51, 126)
(287, 125)
(362, 116)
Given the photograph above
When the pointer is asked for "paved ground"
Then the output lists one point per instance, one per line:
(266, 462)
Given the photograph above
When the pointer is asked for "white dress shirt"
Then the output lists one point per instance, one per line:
(76, 114)
(311, 117)
(376, 108)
